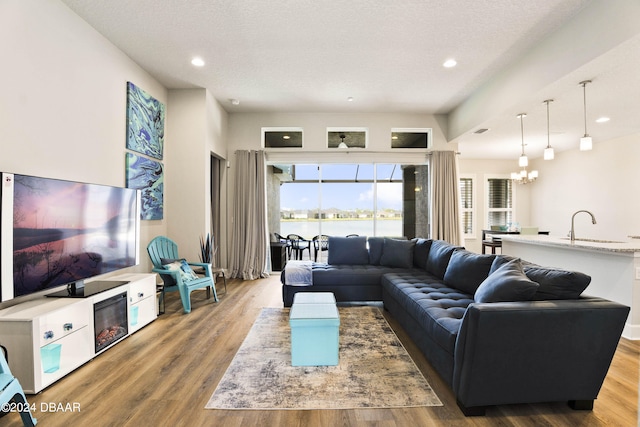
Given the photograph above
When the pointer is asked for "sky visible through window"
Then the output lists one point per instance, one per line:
(343, 195)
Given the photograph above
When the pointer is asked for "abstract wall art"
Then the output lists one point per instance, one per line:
(145, 122)
(146, 175)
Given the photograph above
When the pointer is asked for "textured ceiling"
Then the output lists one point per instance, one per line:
(310, 56)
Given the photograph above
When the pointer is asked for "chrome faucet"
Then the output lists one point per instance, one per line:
(572, 234)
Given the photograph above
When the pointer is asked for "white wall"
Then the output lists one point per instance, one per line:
(195, 127)
(216, 145)
(245, 128)
(603, 181)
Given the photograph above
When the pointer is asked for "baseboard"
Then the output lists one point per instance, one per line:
(631, 332)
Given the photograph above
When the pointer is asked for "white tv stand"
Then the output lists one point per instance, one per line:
(27, 329)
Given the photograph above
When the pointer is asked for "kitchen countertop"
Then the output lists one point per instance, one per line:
(618, 246)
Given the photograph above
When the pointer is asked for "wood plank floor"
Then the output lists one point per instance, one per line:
(164, 375)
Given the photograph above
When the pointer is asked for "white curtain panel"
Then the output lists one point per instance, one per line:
(250, 242)
(445, 215)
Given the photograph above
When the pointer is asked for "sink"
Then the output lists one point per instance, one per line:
(593, 240)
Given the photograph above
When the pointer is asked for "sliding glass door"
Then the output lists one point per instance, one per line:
(366, 199)
(299, 196)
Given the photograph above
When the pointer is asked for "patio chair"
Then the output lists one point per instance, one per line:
(11, 391)
(320, 243)
(179, 276)
(298, 245)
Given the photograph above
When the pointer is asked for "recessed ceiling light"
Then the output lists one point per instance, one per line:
(197, 62)
(350, 99)
(602, 120)
(449, 63)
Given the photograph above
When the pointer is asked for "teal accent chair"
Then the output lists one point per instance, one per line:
(162, 248)
(11, 391)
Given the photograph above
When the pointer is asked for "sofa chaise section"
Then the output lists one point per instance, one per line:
(430, 312)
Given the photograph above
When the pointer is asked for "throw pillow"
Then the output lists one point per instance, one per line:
(397, 253)
(375, 249)
(181, 265)
(556, 283)
(348, 250)
(499, 261)
(438, 258)
(421, 252)
(466, 270)
(507, 283)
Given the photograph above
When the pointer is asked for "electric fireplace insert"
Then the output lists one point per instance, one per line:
(110, 321)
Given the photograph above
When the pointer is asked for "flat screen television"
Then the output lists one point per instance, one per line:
(55, 232)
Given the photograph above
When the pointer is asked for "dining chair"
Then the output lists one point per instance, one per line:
(529, 230)
(320, 243)
(164, 255)
(492, 241)
(11, 391)
(298, 245)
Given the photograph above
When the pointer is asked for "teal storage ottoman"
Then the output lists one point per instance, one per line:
(314, 334)
(314, 298)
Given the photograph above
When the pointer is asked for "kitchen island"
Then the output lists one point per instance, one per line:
(614, 266)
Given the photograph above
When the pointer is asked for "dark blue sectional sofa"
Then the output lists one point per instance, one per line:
(498, 330)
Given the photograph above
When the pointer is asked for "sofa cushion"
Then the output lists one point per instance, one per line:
(356, 275)
(375, 249)
(466, 270)
(438, 258)
(421, 252)
(397, 253)
(556, 283)
(501, 260)
(348, 250)
(507, 283)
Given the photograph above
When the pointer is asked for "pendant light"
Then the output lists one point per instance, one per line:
(548, 152)
(523, 161)
(342, 143)
(586, 143)
(523, 177)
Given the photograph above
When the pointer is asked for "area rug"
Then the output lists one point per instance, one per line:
(374, 370)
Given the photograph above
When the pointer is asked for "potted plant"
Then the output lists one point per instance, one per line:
(207, 249)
